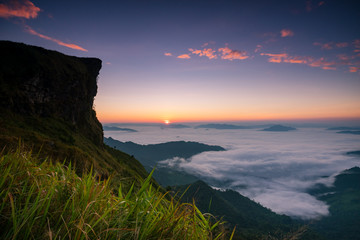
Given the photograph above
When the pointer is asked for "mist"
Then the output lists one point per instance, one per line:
(273, 168)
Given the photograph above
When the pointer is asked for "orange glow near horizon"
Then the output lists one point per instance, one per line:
(110, 118)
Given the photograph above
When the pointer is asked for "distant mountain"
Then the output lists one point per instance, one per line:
(279, 128)
(353, 153)
(150, 155)
(222, 126)
(350, 132)
(344, 128)
(252, 220)
(111, 128)
(175, 126)
(344, 201)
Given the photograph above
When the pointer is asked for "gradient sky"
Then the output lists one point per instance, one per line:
(188, 60)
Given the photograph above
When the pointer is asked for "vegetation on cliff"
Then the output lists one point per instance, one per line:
(41, 200)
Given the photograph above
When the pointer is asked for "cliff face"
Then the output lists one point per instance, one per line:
(41, 83)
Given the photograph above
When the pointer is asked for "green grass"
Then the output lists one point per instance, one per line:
(44, 200)
(58, 140)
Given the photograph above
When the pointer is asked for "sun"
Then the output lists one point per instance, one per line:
(166, 122)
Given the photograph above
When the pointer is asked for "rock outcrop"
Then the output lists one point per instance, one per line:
(41, 83)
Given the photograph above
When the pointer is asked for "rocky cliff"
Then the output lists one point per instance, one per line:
(46, 105)
(42, 83)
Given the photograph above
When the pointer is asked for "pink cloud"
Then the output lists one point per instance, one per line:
(168, 54)
(342, 44)
(69, 45)
(356, 44)
(328, 68)
(308, 6)
(327, 46)
(285, 58)
(275, 58)
(323, 64)
(184, 56)
(258, 48)
(286, 33)
(331, 45)
(298, 60)
(18, 8)
(207, 52)
(354, 69)
(230, 54)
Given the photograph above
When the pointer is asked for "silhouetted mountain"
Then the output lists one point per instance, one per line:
(111, 128)
(344, 128)
(350, 132)
(174, 126)
(353, 153)
(252, 220)
(279, 128)
(221, 126)
(344, 201)
(150, 155)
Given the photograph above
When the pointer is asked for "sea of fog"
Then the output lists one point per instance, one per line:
(272, 168)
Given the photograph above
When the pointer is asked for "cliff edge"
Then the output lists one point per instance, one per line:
(42, 83)
(46, 105)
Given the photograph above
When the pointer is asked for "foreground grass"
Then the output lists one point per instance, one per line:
(49, 201)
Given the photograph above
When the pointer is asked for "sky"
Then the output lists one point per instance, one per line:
(187, 60)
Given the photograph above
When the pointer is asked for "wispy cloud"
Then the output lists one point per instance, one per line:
(207, 52)
(258, 48)
(61, 43)
(356, 44)
(342, 44)
(310, 6)
(310, 61)
(354, 69)
(286, 33)
(326, 46)
(211, 53)
(229, 54)
(275, 58)
(18, 8)
(331, 45)
(168, 54)
(26, 9)
(184, 56)
(321, 62)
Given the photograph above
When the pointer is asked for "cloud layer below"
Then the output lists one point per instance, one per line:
(274, 169)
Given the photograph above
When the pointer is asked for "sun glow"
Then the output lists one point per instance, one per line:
(166, 122)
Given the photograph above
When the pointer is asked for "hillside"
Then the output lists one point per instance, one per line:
(46, 104)
(152, 154)
(252, 220)
(344, 201)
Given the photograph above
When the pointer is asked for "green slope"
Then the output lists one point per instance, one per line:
(149, 155)
(252, 220)
(344, 201)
